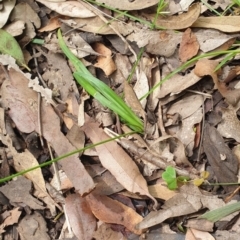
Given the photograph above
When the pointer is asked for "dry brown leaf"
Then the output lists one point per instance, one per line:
(129, 5)
(151, 40)
(193, 234)
(22, 103)
(81, 218)
(117, 161)
(224, 23)
(105, 232)
(112, 211)
(19, 192)
(161, 191)
(181, 21)
(223, 162)
(33, 226)
(53, 24)
(132, 101)
(16, 28)
(177, 83)
(207, 67)
(211, 39)
(69, 8)
(189, 200)
(12, 218)
(189, 46)
(23, 11)
(104, 61)
(229, 127)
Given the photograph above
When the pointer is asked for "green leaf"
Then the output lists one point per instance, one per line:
(222, 212)
(169, 176)
(9, 46)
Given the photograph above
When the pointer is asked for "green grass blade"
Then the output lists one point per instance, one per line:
(217, 214)
(111, 100)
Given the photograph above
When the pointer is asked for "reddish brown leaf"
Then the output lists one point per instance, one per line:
(112, 211)
(189, 46)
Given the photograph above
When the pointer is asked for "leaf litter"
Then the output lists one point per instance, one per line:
(116, 189)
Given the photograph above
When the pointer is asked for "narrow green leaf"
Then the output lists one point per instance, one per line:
(217, 214)
(9, 46)
(99, 90)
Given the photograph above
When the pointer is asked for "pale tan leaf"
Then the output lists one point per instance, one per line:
(112, 211)
(224, 23)
(229, 127)
(16, 28)
(129, 5)
(104, 61)
(160, 191)
(117, 161)
(5, 12)
(193, 234)
(69, 8)
(81, 218)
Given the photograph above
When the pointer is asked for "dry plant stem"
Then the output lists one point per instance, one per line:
(149, 157)
(96, 11)
(160, 120)
(203, 125)
(39, 119)
(228, 198)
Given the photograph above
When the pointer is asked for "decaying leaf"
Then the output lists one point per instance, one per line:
(224, 169)
(24, 12)
(33, 226)
(229, 127)
(112, 211)
(105, 231)
(129, 5)
(19, 192)
(12, 218)
(81, 218)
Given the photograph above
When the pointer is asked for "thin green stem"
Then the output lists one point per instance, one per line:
(2, 180)
(185, 65)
